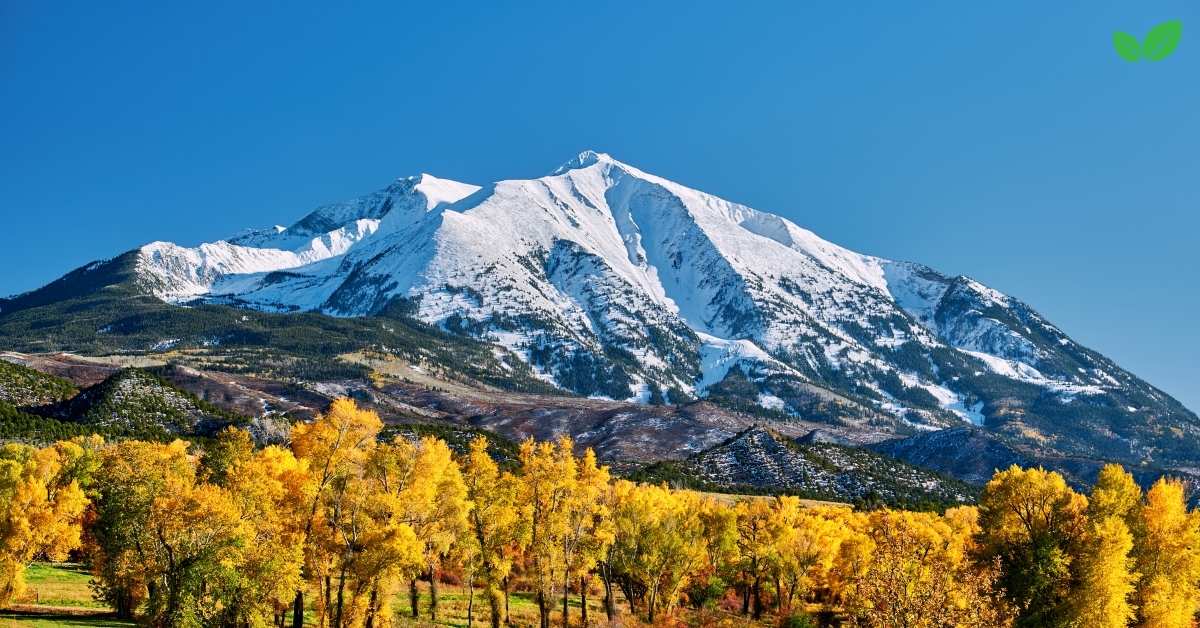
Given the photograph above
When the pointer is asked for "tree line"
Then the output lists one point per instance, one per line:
(344, 525)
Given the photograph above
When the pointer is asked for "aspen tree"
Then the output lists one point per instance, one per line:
(495, 520)
(1167, 555)
(41, 506)
(331, 446)
(548, 477)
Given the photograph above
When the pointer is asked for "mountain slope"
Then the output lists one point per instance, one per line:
(609, 281)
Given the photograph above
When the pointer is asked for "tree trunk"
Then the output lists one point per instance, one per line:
(124, 604)
(610, 607)
(583, 587)
(746, 597)
(470, 603)
(433, 593)
(341, 589)
(758, 609)
(566, 591)
(298, 610)
(507, 616)
(413, 597)
(493, 595)
(543, 609)
(371, 608)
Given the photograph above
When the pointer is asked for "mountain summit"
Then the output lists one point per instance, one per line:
(612, 282)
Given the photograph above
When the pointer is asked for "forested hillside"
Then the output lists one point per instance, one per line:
(758, 461)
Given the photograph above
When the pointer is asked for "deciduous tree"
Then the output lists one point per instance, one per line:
(1034, 524)
(548, 477)
(1167, 555)
(41, 506)
(332, 446)
(495, 520)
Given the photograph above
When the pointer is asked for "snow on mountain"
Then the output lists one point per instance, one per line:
(613, 282)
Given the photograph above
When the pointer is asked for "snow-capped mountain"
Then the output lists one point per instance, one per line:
(613, 282)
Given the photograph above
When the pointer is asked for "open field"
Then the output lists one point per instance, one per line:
(57, 595)
(62, 584)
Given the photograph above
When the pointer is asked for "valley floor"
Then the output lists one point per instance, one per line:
(59, 595)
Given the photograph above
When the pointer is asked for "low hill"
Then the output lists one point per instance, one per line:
(967, 453)
(138, 402)
(760, 461)
(24, 387)
(973, 455)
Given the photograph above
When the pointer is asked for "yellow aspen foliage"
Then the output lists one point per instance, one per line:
(41, 506)
(131, 476)
(369, 547)
(589, 530)
(196, 535)
(269, 487)
(1102, 598)
(1115, 494)
(965, 522)
(757, 529)
(708, 583)
(917, 576)
(1033, 524)
(807, 547)
(1167, 555)
(161, 536)
(1019, 504)
(853, 556)
(238, 535)
(336, 441)
(426, 492)
(659, 543)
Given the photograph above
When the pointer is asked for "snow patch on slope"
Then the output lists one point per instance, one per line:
(1020, 371)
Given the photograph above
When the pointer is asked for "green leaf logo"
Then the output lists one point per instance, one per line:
(1127, 46)
(1160, 42)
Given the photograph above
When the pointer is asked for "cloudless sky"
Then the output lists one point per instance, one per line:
(1002, 140)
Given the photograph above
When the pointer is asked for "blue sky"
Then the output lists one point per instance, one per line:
(1005, 141)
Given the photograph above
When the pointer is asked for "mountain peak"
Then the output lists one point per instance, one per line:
(583, 160)
(439, 191)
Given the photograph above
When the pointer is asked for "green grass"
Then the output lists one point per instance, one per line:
(52, 619)
(59, 585)
(523, 609)
(58, 594)
(63, 598)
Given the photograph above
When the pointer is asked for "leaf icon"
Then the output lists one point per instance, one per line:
(1162, 40)
(1127, 46)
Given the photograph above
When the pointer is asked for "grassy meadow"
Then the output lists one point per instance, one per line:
(59, 595)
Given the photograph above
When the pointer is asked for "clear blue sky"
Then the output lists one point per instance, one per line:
(1003, 140)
